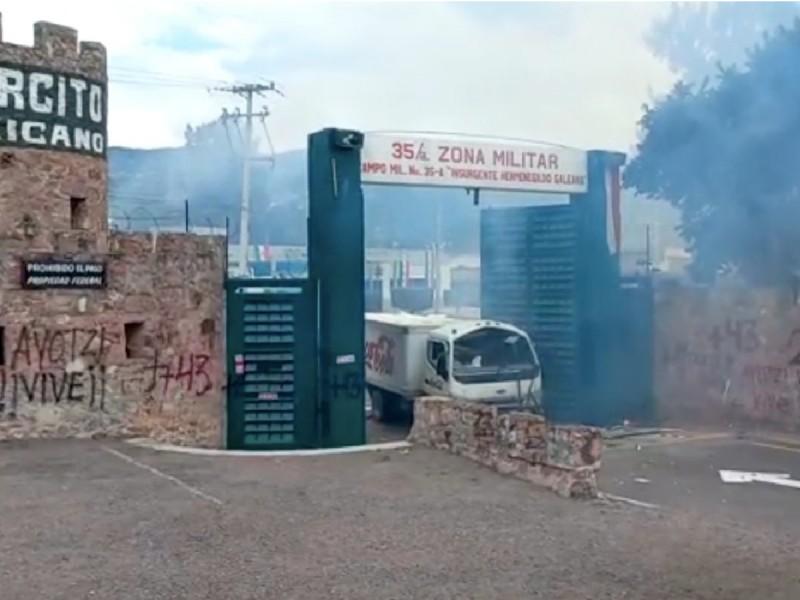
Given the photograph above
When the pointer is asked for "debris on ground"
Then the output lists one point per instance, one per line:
(622, 431)
(782, 479)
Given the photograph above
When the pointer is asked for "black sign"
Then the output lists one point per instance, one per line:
(52, 111)
(75, 275)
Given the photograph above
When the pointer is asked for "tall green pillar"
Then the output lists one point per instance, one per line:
(597, 290)
(336, 267)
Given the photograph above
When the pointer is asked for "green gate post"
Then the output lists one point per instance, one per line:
(336, 265)
(598, 295)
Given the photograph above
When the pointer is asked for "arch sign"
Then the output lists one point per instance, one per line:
(472, 162)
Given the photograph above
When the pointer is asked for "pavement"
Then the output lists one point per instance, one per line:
(378, 433)
(680, 471)
(103, 519)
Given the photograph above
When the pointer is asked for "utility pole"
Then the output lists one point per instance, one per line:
(247, 91)
(438, 300)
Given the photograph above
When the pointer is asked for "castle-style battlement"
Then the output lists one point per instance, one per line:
(53, 115)
(56, 46)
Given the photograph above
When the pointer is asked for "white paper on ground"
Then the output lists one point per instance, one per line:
(781, 481)
(729, 476)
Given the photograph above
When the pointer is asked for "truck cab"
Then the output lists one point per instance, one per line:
(408, 356)
(483, 361)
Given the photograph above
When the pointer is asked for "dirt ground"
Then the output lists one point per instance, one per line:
(92, 519)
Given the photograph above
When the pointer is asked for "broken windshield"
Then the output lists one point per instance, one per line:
(493, 354)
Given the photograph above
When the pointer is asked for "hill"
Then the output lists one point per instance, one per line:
(152, 185)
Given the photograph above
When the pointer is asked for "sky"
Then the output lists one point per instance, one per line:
(574, 74)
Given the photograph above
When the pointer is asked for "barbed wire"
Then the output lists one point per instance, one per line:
(141, 219)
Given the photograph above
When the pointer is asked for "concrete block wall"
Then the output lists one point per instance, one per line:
(562, 458)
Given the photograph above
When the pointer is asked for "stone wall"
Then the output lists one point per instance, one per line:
(562, 458)
(727, 356)
(142, 357)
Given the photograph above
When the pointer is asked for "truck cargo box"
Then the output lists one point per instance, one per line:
(395, 349)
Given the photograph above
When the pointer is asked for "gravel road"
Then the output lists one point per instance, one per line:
(89, 519)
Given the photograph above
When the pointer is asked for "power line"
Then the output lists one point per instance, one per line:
(144, 77)
(125, 71)
(159, 83)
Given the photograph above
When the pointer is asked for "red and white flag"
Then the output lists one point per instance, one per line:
(613, 210)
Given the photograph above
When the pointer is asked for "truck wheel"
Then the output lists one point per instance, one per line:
(378, 406)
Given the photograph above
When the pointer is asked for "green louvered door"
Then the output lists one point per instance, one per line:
(271, 399)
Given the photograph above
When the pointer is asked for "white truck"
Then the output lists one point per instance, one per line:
(410, 355)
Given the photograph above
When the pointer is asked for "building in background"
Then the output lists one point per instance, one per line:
(408, 275)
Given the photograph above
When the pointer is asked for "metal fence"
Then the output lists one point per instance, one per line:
(141, 218)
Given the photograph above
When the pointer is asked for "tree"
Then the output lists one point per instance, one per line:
(694, 38)
(727, 155)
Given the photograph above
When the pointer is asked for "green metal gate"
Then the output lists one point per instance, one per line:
(271, 357)
(529, 274)
(632, 343)
(592, 328)
(551, 271)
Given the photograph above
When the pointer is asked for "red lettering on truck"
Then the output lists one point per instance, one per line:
(379, 355)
